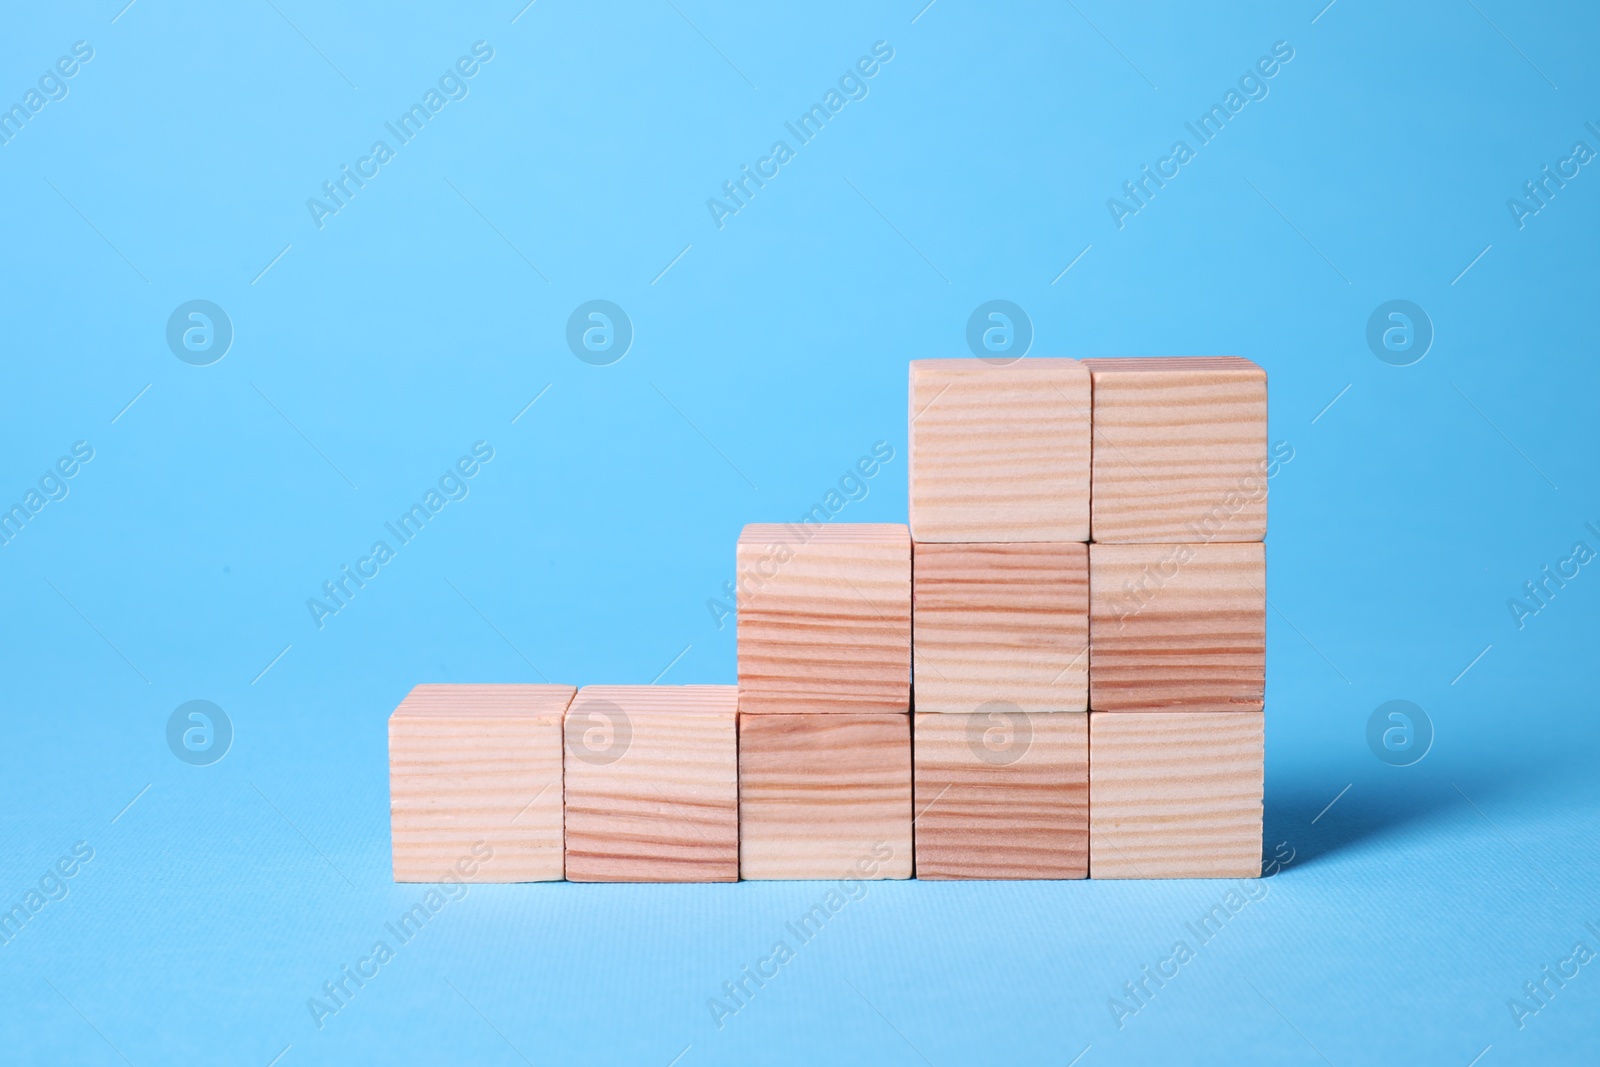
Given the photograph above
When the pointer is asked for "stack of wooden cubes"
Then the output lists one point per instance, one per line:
(999, 507)
(1056, 671)
(1177, 617)
(824, 701)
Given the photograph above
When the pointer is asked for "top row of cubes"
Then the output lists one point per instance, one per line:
(1119, 451)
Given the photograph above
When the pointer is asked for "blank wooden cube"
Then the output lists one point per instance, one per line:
(1002, 794)
(1175, 794)
(824, 619)
(1180, 449)
(1006, 622)
(825, 796)
(475, 783)
(1177, 627)
(653, 784)
(999, 452)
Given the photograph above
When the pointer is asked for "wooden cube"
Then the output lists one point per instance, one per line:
(1177, 627)
(1002, 793)
(475, 783)
(1000, 622)
(824, 619)
(825, 796)
(653, 784)
(1175, 794)
(999, 452)
(1180, 450)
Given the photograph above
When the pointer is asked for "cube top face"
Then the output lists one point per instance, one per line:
(1001, 622)
(660, 699)
(825, 796)
(824, 625)
(1177, 627)
(1173, 365)
(999, 452)
(1180, 450)
(486, 702)
(761, 534)
(652, 784)
(1175, 795)
(475, 783)
(1002, 795)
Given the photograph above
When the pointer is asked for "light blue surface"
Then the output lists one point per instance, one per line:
(432, 308)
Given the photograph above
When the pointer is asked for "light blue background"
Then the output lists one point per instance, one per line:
(429, 312)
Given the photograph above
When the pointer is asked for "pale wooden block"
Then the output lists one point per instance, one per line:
(1180, 449)
(1177, 627)
(1175, 794)
(475, 776)
(824, 618)
(1002, 794)
(653, 784)
(999, 452)
(825, 796)
(1000, 622)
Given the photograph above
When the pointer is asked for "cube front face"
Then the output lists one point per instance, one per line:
(1177, 627)
(1175, 794)
(1000, 622)
(1002, 795)
(1180, 450)
(475, 782)
(825, 796)
(824, 619)
(999, 453)
(652, 784)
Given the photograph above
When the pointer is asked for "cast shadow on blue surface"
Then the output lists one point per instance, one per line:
(1317, 825)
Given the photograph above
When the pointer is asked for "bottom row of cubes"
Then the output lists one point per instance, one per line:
(519, 783)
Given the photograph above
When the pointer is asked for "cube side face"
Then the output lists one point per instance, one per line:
(1001, 795)
(663, 807)
(824, 626)
(1004, 623)
(1177, 627)
(999, 452)
(825, 796)
(1180, 452)
(478, 788)
(1175, 795)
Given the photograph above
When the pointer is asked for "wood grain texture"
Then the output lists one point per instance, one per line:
(824, 619)
(999, 452)
(1180, 450)
(1175, 794)
(1001, 795)
(652, 784)
(1000, 622)
(476, 767)
(825, 796)
(1177, 627)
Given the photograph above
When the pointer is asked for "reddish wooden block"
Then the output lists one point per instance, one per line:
(1180, 450)
(824, 619)
(1000, 622)
(1175, 794)
(1177, 627)
(825, 796)
(999, 452)
(1002, 794)
(475, 782)
(653, 784)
